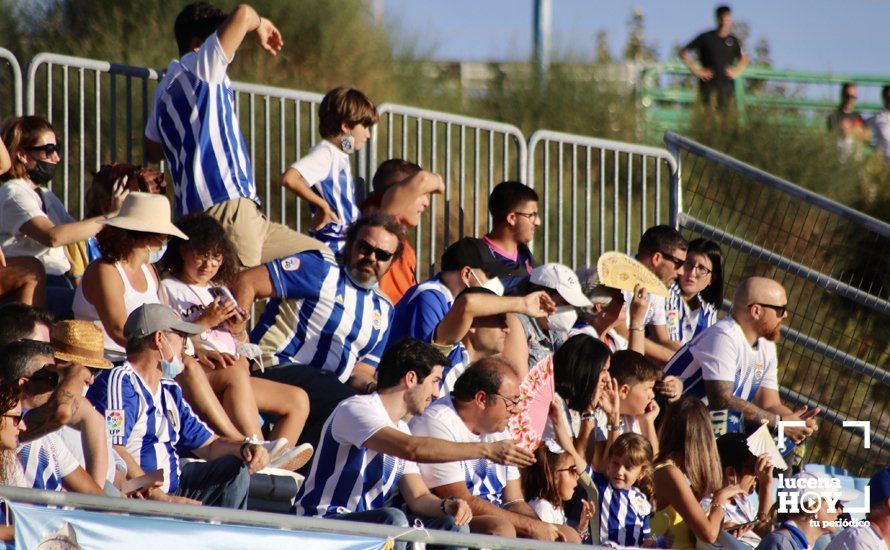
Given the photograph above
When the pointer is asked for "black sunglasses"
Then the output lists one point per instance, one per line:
(48, 149)
(16, 419)
(673, 259)
(780, 310)
(365, 249)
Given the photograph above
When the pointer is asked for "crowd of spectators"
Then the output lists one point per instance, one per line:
(140, 375)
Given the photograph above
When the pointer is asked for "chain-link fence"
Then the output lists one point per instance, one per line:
(834, 263)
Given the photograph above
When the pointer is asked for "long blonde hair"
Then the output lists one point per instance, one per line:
(687, 439)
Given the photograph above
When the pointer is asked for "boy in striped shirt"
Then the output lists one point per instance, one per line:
(323, 178)
(193, 124)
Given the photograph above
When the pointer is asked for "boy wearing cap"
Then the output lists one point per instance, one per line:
(422, 311)
(150, 423)
(875, 535)
(545, 334)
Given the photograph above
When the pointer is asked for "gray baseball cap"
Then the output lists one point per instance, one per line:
(150, 318)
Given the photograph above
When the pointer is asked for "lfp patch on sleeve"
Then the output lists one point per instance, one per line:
(114, 422)
(290, 264)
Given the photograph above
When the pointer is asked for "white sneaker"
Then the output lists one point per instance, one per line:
(293, 458)
(276, 447)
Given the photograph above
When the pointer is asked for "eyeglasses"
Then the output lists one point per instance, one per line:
(572, 469)
(510, 403)
(365, 249)
(532, 216)
(673, 259)
(16, 419)
(780, 310)
(47, 149)
(699, 269)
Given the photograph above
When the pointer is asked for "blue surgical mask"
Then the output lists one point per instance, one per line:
(172, 368)
(154, 256)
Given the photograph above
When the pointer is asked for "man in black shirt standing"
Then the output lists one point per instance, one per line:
(720, 60)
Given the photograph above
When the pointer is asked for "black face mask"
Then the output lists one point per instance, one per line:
(43, 172)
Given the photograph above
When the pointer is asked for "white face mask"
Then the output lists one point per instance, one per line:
(495, 285)
(563, 320)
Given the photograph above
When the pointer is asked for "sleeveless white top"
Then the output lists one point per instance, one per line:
(83, 309)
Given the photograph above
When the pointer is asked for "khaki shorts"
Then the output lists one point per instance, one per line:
(256, 239)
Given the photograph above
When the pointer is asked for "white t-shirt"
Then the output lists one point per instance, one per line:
(189, 302)
(346, 476)
(615, 341)
(73, 441)
(655, 314)
(548, 512)
(484, 478)
(19, 204)
(722, 353)
(628, 424)
(857, 538)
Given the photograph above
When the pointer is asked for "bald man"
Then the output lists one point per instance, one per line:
(732, 365)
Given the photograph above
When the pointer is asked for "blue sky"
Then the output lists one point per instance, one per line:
(848, 36)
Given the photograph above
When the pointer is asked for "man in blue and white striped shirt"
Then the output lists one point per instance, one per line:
(150, 423)
(326, 325)
(733, 364)
(194, 125)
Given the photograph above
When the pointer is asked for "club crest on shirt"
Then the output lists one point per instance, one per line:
(171, 417)
(640, 504)
(758, 371)
(114, 422)
(290, 264)
(376, 320)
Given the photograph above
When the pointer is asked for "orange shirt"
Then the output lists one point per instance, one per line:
(400, 276)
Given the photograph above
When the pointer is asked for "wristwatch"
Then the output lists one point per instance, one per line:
(444, 500)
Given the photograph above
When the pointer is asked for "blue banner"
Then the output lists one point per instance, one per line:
(47, 528)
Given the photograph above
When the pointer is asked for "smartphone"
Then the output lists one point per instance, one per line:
(137, 483)
(226, 295)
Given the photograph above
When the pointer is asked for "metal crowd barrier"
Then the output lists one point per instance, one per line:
(471, 154)
(11, 87)
(832, 261)
(615, 191)
(265, 519)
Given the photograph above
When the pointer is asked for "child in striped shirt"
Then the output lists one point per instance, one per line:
(624, 491)
(323, 178)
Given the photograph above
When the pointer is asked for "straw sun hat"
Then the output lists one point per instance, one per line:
(145, 212)
(80, 342)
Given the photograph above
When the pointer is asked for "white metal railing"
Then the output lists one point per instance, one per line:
(15, 85)
(265, 519)
(616, 190)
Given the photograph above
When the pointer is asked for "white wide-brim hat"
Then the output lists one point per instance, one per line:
(146, 212)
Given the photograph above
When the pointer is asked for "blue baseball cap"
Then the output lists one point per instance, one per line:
(879, 486)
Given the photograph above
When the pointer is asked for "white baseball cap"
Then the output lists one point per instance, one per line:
(563, 280)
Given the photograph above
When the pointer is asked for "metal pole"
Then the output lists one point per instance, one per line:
(541, 53)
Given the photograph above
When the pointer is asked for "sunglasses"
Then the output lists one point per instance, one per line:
(572, 469)
(48, 149)
(16, 419)
(673, 259)
(780, 310)
(365, 249)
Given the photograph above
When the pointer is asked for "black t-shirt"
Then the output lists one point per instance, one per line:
(716, 53)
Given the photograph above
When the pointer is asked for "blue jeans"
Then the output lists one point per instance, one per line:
(398, 518)
(223, 482)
